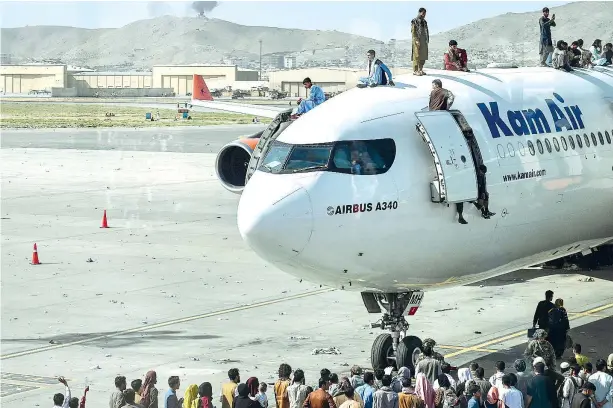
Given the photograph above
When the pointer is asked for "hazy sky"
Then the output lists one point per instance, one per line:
(380, 20)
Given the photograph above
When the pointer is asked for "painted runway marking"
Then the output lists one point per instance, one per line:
(164, 324)
(13, 383)
(499, 340)
(465, 347)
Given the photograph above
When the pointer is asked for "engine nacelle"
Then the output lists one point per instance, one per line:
(232, 163)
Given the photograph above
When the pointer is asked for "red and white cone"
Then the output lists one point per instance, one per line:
(104, 222)
(35, 260)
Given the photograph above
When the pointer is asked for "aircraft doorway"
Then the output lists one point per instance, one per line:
(456, 180)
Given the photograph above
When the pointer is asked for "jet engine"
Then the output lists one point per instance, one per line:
(232, 163)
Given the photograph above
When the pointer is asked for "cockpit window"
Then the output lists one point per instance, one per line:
(359, 157)
(276, 157)
(363, 156)
(309, 157)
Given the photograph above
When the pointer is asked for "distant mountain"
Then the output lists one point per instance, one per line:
(509, 37)
(173, 40)
(514, 37)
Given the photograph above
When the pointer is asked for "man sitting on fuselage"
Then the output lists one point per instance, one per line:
(378, 73)
(316, 97)
(455, 58)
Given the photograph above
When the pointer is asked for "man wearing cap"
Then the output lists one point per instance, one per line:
(541, 391)
(540, 347)
(584, 398)
(429, 365)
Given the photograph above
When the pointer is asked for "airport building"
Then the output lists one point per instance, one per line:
(162, 80)
(165, 80)
(25, 78)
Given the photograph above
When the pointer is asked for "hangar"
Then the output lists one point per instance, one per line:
(25, 78)
(21, 79)
(180, 77)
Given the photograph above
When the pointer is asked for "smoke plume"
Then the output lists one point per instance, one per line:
(203, 7)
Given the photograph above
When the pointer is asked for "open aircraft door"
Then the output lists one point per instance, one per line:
(456, 174)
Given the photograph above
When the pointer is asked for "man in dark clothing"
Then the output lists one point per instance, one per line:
(607, 54)
(575, 61)
(546, 46)
(583, 399)
(541, 314)
(541, 391)
(483, 200)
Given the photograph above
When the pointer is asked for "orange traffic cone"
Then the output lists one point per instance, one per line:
(104, 223)
(35, 260)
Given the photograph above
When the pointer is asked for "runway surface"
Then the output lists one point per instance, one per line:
(172, 287)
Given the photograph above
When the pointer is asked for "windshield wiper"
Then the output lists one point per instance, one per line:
(321, 166)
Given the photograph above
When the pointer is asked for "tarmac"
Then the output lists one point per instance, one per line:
(171, 286)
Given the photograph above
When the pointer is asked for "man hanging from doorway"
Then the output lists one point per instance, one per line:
(442, 99)
(484, 197)
(316, 97)
(420, 39)
(378, 73)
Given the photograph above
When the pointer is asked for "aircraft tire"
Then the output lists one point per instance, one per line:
(381, 352)
(407, 351)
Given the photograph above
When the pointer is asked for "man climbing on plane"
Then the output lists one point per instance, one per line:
(316, 97)
(378, 73)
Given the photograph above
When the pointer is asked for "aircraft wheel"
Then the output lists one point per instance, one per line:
(382, 352)
(408, 351)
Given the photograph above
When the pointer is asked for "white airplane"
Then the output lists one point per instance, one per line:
(392, 232)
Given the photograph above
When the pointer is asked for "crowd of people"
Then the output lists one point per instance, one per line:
(578, 384)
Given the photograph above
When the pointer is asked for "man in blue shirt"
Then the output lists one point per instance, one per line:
(378, 72)
(316, 97)
(170, 398)
(475, 391)
(367, 390)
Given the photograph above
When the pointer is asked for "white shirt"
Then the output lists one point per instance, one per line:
(512, 397)
(496, 381)
(451, 380)
(604, 387)
(67, 397)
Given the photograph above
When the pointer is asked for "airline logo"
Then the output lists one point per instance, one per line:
(556, 117)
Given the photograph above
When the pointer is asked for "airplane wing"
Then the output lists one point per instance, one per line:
(201, 96)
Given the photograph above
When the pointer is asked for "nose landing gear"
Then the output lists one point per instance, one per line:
(394, 349)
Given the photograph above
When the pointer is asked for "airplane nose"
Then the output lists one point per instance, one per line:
(275, 226)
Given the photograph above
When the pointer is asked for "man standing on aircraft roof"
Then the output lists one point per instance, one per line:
(378, 72)
(420, 39)
(316, 97)
(546, 46)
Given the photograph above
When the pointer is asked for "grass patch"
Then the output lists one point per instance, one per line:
(57, 115)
